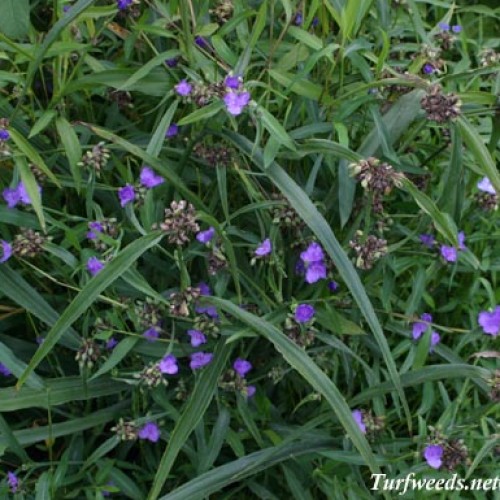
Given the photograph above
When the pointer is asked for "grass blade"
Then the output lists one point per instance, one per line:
(198, 403)
(88, 294)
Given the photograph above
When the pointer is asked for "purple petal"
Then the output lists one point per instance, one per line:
(315, 272)
(264, 248)
(206, 236)
(490, 321)
(200, 359)
(449, 253)
(242, 367)
(150, 431)
(149, 178)
(197, 337)
(433, 454)
(304, 313)
(486, 186)
(358, 418)
(168, 365)
(94, 266)
(6, 251)
(126, 194)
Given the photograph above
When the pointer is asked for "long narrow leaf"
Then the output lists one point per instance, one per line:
(89, 294)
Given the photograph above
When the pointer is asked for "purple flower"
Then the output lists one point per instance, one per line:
(111, 344)
(11, 197)
(428, 69)
(40, 340)
(149, 179)
(298, 19)
(449, 253)
(315, 22)
(461, 240)
(490, 321)
(251, 390)
(183, 88)
(206, 236)
(315, 272)
(421, 326)
(204, 289)
(95, 227)
(264, 248)
(200, 359)
(236, 102)
(150, 431)
(333, 286)
(17, 195)
(172, 63)
(304, 313)
(201, 42)
(210, 311)
(123, 4)
(456, 29)
(4, 370)
(24, 197)
(444, 26)
(12, 481)
(126, 194)
(197, 337)
(313, 253)
(233, 82)
(435, 339)
(486, 186)
(358, 418)
(172, 131)
(433, 454)
(151, 334)
(427, 240)
(6, 251)
(242, 367)
(4, 135)
(168, 365)
(94, 266)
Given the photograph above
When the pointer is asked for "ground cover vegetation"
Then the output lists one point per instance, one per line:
(248, 249)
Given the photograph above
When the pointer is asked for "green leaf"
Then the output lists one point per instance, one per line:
(42, 123)
(72, 148)
(146, 68)
(119, 352)
(31, 186)
(88, 295)
(300, 361)
(49, 39)
(16, 366)
(318, 225)
(202, 113)
(58, 391)
(158, 138)
(442, 221)
(14, 286)
(217, 479)
(275, 129)
(32, 154)
(396, 121)
(197, 405)
(43, 488)
(477, 147)
(426, 374)
(15, 18)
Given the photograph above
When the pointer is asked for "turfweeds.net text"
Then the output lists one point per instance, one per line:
(454, 483)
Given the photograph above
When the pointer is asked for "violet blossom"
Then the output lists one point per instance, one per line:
(490, 321)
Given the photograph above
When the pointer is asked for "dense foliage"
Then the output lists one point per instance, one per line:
(247, 248)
